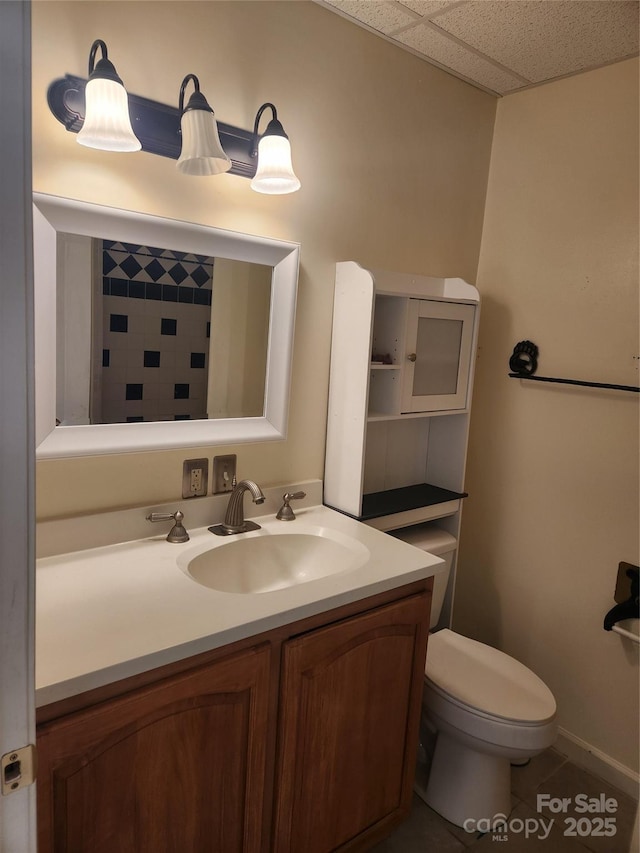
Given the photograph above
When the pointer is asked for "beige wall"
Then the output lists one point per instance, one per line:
(392, 153)
(553, 470)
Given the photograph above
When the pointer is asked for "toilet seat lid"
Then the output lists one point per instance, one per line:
(486, 679)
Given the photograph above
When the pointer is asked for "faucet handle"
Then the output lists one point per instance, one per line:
(177, 532)
(285, 513)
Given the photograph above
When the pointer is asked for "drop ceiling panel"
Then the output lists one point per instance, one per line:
(503, 45)
(466, 63)
(428, 7)
(382, 16)
(546, 39)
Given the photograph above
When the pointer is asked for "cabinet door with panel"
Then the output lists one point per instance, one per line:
(172, 767)
(349, 708)
(439, 339)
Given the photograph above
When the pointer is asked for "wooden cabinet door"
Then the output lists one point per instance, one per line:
(177, 767)
(349, 705)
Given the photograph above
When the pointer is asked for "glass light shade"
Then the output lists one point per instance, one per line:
(202, 152)
(274, 175)
(107, 125)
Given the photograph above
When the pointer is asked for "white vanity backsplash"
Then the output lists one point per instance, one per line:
(65, 535)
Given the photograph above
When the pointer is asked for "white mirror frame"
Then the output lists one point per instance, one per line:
(52, 214)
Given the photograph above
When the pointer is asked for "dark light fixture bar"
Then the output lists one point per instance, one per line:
(156, 125)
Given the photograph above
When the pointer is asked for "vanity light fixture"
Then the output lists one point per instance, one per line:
(274, 172)
(191, 135)
(201, 152)
(107, 125)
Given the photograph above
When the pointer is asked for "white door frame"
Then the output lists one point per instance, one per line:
(17, 515)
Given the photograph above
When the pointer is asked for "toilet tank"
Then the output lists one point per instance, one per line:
(436, 541)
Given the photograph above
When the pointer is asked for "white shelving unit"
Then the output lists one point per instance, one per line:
(402, 364)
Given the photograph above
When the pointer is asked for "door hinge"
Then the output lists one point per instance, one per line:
(18, 769)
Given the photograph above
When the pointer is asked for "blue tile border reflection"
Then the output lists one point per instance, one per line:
(152, 290)
(144, 264)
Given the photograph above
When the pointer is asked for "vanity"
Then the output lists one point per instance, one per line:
(177, 715)
(256, 693)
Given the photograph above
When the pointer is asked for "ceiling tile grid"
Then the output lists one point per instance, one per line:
(502, 46)
(467, 63)
(380, 15)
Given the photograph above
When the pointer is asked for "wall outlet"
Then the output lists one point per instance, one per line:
(224, 473)
(195, 477)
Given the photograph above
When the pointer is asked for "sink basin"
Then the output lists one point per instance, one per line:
(268, 561)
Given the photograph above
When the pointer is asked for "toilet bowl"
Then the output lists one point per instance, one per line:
(486, 709)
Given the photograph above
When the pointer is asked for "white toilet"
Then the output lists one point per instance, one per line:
(487, 709)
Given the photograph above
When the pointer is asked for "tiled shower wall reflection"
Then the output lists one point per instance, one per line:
(156, 325)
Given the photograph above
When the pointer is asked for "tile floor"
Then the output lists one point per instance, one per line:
(549, 773)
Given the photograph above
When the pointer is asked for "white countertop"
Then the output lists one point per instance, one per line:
(110, 612)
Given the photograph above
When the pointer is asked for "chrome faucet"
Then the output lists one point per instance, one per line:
(234, 521)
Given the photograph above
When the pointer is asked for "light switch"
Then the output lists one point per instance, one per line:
(224, 473)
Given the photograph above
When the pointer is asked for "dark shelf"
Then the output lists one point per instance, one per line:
(378, 504)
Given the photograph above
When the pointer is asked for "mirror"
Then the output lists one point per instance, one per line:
(138, 328)
(113, 372)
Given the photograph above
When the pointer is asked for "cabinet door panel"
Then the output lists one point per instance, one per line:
(350, 698)
(436, 376)
(172, 768)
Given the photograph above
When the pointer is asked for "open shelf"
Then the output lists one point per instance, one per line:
(391, 501)
(399, 394)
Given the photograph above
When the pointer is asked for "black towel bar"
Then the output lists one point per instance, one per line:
(524, 363)
(634, 388)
